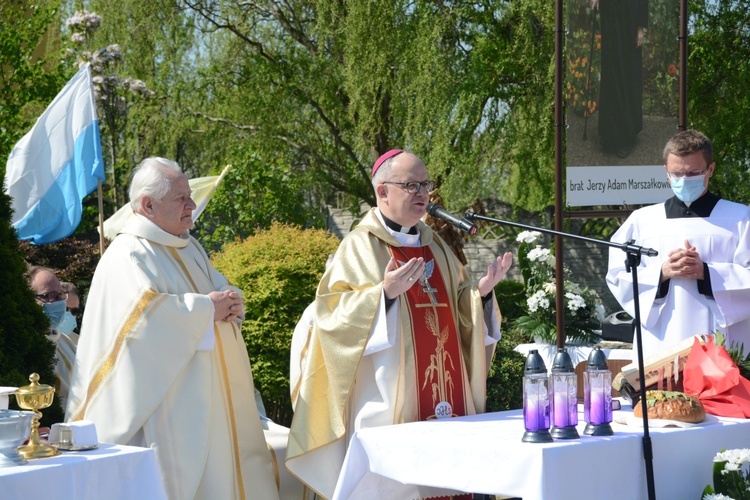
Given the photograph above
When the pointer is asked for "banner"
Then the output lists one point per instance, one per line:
(56, 164)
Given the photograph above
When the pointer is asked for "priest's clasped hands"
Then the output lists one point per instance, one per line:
(227, 305)
(683, 263)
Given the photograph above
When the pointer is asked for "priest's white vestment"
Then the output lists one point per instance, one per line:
(357, 367)
(154, 369)
(65, 355)
(721, 239)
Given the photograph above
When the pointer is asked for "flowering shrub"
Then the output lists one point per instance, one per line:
(582, 85)
(583, 307)
(731, 476)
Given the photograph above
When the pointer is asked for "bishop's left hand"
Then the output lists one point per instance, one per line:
(495, 272)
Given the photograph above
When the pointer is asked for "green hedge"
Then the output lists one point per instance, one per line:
(278, 270)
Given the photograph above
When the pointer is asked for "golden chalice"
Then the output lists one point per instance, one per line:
(33, 397)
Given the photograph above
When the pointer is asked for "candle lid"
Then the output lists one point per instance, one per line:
(597, 360)
(562, 362)
(534, 363)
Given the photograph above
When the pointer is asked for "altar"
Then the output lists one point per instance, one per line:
(110, 471)
(484, 454)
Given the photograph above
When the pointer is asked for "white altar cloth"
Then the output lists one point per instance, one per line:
(110, 471)
(484, 454)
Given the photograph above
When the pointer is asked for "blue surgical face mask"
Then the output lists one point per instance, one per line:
(55, 312)
(688, 189)
(68, 323)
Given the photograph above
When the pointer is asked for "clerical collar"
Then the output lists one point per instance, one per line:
(397, 227)
(702, 207)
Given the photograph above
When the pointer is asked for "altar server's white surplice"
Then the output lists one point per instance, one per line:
(721, 239)
(153, 369)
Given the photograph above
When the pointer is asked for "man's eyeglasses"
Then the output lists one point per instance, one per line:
(413, 187)
(692, 173)
(52, 296)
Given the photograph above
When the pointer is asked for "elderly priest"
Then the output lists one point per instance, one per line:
(161, 361)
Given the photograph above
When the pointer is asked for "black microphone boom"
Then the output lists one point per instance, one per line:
(464, 225)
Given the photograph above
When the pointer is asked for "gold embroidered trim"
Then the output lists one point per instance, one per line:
(232, 422)
(145, 302)
(275, 464)
(177, 257)
(225, 376)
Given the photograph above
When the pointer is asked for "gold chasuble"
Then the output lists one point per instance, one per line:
(424, 357)
(153, 369)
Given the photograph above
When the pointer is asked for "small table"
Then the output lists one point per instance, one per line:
(111, 471)
(484, 454)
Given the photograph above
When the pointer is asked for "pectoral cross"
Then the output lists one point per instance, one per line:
(427, 288)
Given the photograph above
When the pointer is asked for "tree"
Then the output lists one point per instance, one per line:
(718, 102)
(252, 195)
(24, 347)
(29, 77)
(334, 85)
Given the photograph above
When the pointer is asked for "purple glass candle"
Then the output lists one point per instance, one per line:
(536, 410)
(597, 395)
(564, 400)
(600, 411)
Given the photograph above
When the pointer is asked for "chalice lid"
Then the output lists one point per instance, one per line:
(34, 388)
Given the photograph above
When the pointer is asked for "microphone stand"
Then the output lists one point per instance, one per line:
(632, 261)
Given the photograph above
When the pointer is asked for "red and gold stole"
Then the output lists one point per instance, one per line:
(437, 357)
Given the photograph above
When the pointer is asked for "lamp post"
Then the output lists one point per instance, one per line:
(564, 388)
(597, 395)
(535, 400)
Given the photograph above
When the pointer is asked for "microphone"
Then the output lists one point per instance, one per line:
(464, 225)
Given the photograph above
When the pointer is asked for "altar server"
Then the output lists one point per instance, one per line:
(400, 332)
(700, 281)
(161, 360)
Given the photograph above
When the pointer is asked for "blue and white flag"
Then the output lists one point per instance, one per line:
(56, 164)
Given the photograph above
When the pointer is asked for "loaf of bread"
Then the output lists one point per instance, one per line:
(670, 405)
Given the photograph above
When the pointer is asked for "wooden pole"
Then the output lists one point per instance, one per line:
(559, 181)
(101, 216)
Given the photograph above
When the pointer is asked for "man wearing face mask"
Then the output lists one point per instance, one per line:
(72, 304)
(700, 281)
(50, 295)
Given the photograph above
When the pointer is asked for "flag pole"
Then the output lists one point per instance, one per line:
(101, 216)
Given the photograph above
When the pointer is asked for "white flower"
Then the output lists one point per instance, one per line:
(599, 309)
(538, 254)
(716, 496)
(539, 299)
(575, 302)
(738, 455)
(528, 236)
(550, 287)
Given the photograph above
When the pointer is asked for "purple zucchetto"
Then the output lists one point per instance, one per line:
(383, 157)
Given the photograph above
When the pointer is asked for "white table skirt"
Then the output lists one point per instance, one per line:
(484, 454)
(111, 472)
